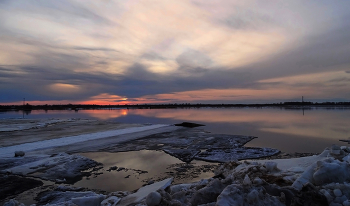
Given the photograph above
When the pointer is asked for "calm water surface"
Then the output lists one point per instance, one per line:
(289, 130)
(156, 163)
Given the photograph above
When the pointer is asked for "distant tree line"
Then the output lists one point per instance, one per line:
(76, 107)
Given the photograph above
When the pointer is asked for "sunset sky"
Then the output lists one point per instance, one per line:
(161, 51)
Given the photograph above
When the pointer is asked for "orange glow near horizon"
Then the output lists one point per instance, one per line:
(107, 114)
(293, 87)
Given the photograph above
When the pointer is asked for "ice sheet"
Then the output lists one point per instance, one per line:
(9, 151)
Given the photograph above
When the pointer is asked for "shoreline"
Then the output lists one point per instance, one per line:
(52, 161)
(77, 107)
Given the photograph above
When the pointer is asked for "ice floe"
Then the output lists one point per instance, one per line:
(316, 180)
(143, 192)
(234, 154)
(264, 182)
(24, 124)
(59, 168)
(71, 198)
(188, 144)
(9, 151)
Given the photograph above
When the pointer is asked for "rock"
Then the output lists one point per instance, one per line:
(337, 192)
(111, 201)
(19, 154)
(271, 166)
(153, 199)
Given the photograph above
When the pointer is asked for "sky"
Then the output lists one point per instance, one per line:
(183, 51)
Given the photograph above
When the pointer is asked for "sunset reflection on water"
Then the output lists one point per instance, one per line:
(289, 130)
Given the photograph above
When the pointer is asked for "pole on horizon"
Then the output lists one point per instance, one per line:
(24, 99)
(302, 102)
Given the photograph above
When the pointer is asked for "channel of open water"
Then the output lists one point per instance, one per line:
(308, 130)
(289, 130)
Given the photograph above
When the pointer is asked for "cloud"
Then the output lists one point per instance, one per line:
(318, 53)
(246, 19)
(192, 59)
(137, 49)
(94, 49)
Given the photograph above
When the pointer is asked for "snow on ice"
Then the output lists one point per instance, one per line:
(315, 180)
(9, 151)
(259, 182)
(58, 168)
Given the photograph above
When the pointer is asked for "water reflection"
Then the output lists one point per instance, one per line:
(317, 123)
(156, 163)
(106, 114)
(289, 130)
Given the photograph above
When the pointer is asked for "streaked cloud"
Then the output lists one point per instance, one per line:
(162, 51)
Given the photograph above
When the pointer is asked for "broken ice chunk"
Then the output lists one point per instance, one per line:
(144, 191)
(246, 180)
(111, 201)
(271, 166)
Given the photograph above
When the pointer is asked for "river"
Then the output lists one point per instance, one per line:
(289, 130)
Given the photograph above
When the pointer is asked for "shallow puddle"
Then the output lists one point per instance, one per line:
(128, 171)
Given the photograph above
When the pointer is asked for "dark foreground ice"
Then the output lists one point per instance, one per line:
(59, 164)
(188, 144)
(315, 180)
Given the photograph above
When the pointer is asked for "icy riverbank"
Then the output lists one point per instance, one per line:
(9, 151)
(315, 180)
(53, 158)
